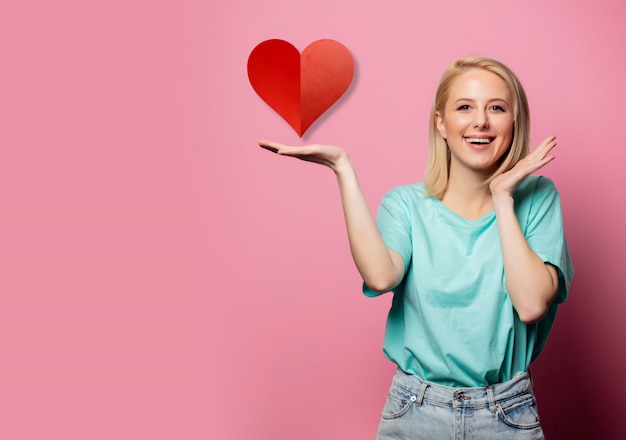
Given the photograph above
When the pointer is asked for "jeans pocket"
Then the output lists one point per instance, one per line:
(399, 401)
(521, 413)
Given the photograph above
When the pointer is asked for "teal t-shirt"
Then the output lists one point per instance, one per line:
(451, 320)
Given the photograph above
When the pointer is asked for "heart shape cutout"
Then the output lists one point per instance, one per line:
(300, 88)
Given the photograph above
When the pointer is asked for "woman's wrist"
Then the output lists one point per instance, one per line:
(342, 165)
(502, 201)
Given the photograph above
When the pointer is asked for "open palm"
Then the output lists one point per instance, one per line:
(327, 155)
(506, 183)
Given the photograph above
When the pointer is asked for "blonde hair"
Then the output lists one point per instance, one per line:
(436, 176)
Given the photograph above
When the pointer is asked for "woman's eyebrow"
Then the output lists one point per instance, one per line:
(503, 100)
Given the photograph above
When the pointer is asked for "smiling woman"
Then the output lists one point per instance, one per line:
(475, 256)
(504, 103)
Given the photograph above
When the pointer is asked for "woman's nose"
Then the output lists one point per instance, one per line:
(481, 120)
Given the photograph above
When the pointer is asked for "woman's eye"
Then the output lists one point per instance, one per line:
(463, 107)
(497, 108)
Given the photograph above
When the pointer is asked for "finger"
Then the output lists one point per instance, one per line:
(274, 147)
(547, 149)
(308, 153)
(548, 144)
(538, 165)
(269, 148)
(543, 149)
(298, 152)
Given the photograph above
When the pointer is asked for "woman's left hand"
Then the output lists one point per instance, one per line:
(506, 183)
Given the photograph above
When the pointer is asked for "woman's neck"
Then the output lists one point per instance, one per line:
(466, 193)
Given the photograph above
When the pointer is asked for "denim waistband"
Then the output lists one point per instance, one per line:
(466, 397)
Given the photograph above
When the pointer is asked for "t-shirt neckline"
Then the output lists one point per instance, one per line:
(454, 216)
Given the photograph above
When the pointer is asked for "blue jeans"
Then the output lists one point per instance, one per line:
(419, 410)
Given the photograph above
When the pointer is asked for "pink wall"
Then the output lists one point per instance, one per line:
(161, 277)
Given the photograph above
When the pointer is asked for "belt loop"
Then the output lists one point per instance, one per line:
(492, 400)
(420, 395)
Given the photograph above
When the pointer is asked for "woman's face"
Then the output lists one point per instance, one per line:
(477, 121)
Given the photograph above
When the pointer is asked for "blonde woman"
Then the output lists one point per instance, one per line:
(475, 256)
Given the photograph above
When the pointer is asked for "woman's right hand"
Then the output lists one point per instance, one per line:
(327, 155)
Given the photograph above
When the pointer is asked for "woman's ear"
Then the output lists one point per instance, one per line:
(441, 126)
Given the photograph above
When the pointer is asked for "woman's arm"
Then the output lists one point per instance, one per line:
(531, 283)
(381, 268)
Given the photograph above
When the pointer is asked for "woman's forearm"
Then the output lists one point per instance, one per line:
(381, 268)
(531, 283)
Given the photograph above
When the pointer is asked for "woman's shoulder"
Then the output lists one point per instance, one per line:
(534, 196)
(412, 191)
(535, 186)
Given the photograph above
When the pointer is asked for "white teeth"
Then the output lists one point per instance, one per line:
(478, 140)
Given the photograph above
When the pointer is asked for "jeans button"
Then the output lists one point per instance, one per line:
(460, 397)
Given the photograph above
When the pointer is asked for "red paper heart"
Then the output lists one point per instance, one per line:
(300, 88)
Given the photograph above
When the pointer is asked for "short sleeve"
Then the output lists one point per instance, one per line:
(393, 222)
(542, 222)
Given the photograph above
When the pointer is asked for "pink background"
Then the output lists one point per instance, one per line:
(161, 277)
